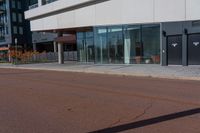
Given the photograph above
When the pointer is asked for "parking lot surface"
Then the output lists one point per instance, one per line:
(36, 101)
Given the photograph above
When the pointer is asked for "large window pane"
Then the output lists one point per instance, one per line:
(132, 45)
(151, 43)
(81, 47)
(85, 43)
(101, 47)
(115, 43)
(142, 44)
(89, 46)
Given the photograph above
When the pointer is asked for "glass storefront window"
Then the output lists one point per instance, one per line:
(85, 46)
(115, 45)
(151, 43)
(80, 47)
(132, 44)
(89, 40)
(142, 44)
(101, 47)
(109, 45)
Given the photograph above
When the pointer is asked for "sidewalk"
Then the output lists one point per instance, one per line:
(144, 70)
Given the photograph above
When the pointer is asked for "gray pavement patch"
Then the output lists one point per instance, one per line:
(142, 70)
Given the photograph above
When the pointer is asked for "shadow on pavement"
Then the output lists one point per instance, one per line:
(148, 122)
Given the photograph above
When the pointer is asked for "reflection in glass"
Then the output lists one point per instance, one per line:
(142, 44)
(132, 45)
(85, 45)
(89, 47)
(115, 43)
(81, 47)
(151, 43)
(101, 47)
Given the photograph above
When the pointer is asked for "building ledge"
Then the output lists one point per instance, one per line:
(56, 7)
(70, 39)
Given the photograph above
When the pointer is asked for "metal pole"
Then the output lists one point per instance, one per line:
(16, 51)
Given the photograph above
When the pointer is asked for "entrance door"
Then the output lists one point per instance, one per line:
(81, 50)
(89, 41)
(174, 50)
(85, 45)
(194, 49)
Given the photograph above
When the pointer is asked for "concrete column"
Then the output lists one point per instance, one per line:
(39, 2)
(164, 51)
(34, 47)
(163, 41)
(60, 50)
(60, 53)
(9, 56)
(184, 49)
(55, 46)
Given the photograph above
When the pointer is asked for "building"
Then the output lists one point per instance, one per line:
(14, 29)
(165, 32)
(44, 41)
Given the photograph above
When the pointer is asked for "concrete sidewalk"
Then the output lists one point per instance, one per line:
(144, 70)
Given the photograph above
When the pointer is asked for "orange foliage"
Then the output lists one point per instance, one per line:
(22, 56)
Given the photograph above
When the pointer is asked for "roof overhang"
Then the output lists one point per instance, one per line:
(69, 39)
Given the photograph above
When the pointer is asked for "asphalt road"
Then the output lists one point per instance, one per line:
(63, 102)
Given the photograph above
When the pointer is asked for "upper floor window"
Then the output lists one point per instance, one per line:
(14, 17)
(44, 2)
(33, 4)
(13, 4)
(20, 17)
(21, 32)
(15, 29)
(19, 5)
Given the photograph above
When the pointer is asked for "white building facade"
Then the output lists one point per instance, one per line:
(125, 31)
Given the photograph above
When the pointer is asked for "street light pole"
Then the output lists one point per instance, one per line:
(16, 51)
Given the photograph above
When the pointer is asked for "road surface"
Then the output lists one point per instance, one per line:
(63, 102)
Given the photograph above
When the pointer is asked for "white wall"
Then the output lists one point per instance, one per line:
(52, 7)
(170, 10)
(193, 9)
(113, 12)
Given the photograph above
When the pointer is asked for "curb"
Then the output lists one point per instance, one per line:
(171, 77)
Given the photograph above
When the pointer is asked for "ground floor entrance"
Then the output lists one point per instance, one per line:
(85, 45)
(174, 50)
(194, 49)
(180, 43)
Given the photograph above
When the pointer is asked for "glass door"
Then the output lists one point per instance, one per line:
(132, 45)
(115, 43)
(89, 43)
(81, 47)
(101, 48)
(85, 43)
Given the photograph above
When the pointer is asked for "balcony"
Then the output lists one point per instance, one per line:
(2, 38)
(44, 2)
(1, 24)
(2, 10)
(55, 6)
(33, 6)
